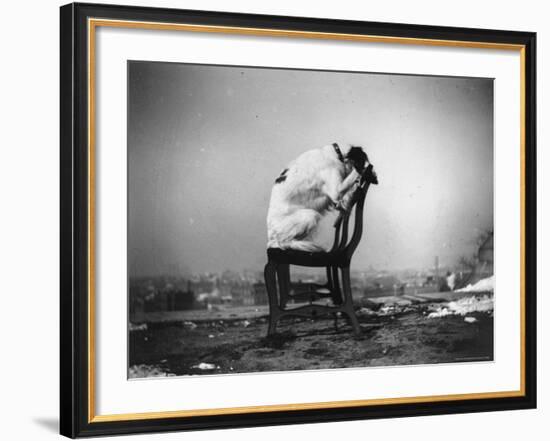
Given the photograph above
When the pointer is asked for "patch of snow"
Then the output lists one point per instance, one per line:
(483, 285)
(470, 319)
(140, 327)
(465, 305)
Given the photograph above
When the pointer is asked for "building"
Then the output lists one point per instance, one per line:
(183, 300)
(485, 257)
(259, 292)
(484, 263)
(242, 295)
(168, 298)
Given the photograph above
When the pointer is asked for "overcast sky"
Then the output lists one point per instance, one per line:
(205, 144)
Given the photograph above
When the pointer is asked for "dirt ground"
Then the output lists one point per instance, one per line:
(395, 335)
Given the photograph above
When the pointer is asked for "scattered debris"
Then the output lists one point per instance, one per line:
(205, 366)
(144, 370)
(369, 304)
(364, 312)
(136, 327)
(387, 310)
(240, 345)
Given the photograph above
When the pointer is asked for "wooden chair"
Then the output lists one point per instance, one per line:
(336, 261)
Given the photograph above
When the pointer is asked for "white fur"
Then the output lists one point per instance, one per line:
(316, 182)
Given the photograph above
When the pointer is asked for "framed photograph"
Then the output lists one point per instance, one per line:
(272, 220)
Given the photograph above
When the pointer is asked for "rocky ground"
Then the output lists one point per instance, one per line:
(427, 329)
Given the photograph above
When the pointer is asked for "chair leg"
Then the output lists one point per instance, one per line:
(348, 301)
(270, 275)
(329, 278)
(336, 290)
(283, 277)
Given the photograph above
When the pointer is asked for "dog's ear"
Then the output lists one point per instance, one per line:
(358, 157)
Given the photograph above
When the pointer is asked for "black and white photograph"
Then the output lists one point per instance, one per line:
(274, 220)
(287, 220)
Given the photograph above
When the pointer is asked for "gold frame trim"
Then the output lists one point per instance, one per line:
(92, 25)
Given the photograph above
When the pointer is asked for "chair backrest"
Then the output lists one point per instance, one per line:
(341, 227)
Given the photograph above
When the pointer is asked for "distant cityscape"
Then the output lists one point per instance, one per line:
(211, 291)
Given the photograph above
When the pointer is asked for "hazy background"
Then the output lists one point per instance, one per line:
(205, 144)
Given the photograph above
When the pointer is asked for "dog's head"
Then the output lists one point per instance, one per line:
(358, 158)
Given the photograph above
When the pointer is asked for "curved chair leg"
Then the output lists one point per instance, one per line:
(329, 278)
(336, 290)
(270, 276)
(283, 277)
(348, 301)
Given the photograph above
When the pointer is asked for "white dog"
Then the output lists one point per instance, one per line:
(314, 183)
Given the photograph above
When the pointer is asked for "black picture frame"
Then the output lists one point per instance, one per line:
(76, 419)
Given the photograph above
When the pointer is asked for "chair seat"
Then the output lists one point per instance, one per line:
(306, 258)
